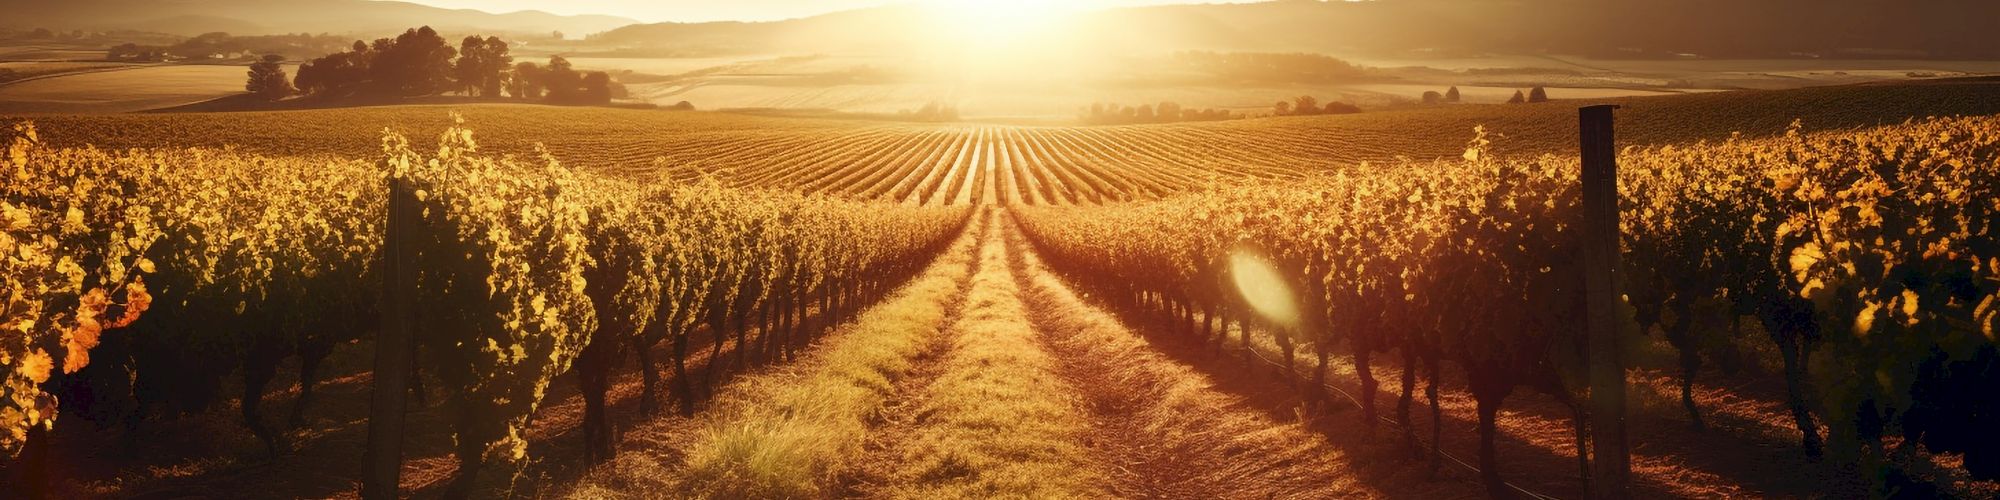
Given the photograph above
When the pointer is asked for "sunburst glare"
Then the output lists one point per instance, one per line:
(1263, 287)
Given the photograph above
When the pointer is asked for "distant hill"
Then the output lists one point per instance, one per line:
(256, 17)
(1650, 28)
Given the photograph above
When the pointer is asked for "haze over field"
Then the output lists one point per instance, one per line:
(1046, 61)
(686, 11)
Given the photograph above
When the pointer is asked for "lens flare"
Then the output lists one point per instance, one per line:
(1263, 287)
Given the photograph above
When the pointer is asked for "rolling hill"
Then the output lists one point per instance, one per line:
(254, 17)
(1730, 29)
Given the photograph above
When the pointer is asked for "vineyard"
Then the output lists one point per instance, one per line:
(822, 308)
(1059, 164)
(1872, 251)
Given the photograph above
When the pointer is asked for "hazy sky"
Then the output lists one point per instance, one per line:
(712, 10)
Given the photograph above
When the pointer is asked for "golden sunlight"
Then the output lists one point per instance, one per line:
(1263, 287)
(998, 24)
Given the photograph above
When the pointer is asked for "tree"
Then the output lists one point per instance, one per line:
(562, 82)
(1145, 113)
(1168, 111)
(1538, 95)
(1518, 98)
(1305, 105)
(267, 79)
(480, 64)
(1282, 108)
(1341, 108)
(596, 88)
(1451, 95)
(338, 73)
(1433, 97)
(416, 63)
(527, 81)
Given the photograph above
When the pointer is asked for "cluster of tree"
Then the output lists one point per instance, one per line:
(223, 46)
(1306, 105)
(931, 112)
(137, 53)
(1537, 94)
(1449, 96)
(1267, 67)
(421, 63)
(559, 82)
(1165, 112)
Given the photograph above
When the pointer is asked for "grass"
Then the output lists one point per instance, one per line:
(997, 421)
(784, 434)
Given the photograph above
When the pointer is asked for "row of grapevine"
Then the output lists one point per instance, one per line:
(70, 250)
(527, 271)
(1034, 166)
(1867, 256)
(245, 261)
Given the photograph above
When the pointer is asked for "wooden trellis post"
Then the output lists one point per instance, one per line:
(1610, 467)
(394, 348)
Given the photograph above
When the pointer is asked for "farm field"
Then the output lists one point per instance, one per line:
(1031, 165)
(120, 88)
(858, 84)
(47, 53)
(15, 71)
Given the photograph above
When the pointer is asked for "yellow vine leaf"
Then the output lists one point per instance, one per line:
(36, 366)
(1865, 321)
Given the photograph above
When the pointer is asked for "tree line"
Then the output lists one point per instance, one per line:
(1306, 105)
(219, 45)
(1165, 112)
(1537, 94)
(421, 63)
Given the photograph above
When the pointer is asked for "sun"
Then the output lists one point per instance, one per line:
(998, 23)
